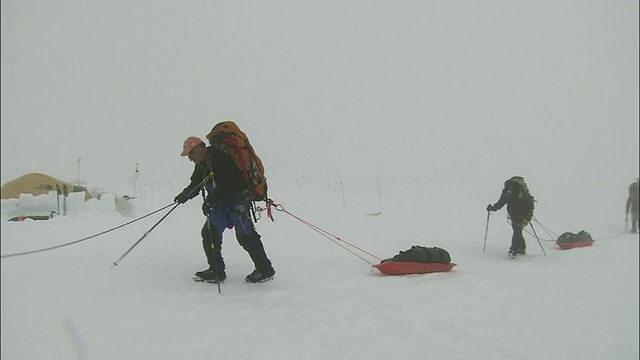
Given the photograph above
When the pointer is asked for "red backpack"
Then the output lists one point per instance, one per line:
(227, 136)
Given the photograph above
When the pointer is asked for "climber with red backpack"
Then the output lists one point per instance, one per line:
(231, 178)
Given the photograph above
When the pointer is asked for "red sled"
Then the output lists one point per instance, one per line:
(571, 245)
(406, 268)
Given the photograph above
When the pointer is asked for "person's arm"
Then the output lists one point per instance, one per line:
(191, 190)
(500, 203)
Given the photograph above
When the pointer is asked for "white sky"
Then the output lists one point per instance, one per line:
(421, 109)
(544, 88)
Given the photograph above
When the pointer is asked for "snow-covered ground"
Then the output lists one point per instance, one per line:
(324, 302)
(387, 124)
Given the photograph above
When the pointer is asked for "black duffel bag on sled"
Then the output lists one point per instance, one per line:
(417, 260)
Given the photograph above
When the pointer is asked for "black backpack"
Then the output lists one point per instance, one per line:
(521, 191)
(422, 254)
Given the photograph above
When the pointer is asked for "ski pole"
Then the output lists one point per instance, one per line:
(143, 236)
(486, 231)
(537, 238)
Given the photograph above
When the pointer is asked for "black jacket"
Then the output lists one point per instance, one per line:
(519, 205)
(226, 184)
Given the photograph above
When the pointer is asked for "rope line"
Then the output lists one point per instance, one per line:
(333, 238)
(86, 238)
(553, 235)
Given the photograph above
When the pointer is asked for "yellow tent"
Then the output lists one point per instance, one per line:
(38, 184)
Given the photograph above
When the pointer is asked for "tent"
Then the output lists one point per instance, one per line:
(38, 184)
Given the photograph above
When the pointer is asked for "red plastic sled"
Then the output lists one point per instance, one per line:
(406, 268)
(571, 245)
(32, 217)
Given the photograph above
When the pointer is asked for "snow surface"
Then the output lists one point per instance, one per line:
(324, 303)
(387, 124)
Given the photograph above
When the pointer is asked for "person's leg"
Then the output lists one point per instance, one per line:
(250, 241)
(252, 244)
(212, 244)
(518, 244)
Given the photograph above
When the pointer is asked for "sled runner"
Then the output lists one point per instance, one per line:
(571, 245)
(406, 268)
(417, 260)
(32, 217)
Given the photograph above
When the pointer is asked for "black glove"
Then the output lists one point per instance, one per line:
(181, 198)
(491, 208)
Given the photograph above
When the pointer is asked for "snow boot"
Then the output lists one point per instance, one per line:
(211, 275)
(260, 276)
(515, 253)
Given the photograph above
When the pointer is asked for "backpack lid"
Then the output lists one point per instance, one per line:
(225, 128)
(516, 182)
(516, 186)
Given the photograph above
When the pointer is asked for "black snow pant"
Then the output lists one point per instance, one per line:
(517, 239)
(212, 245)
(224, 217)
(253, 245)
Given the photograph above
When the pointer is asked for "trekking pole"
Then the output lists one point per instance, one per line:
(143, 236)
(537, 238)
(486, 231)
(215, 259)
